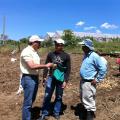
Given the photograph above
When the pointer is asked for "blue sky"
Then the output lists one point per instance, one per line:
(28, 17)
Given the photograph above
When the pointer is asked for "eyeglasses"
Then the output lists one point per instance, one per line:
(37, 42)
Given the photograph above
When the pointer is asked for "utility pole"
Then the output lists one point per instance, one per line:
(4, 25)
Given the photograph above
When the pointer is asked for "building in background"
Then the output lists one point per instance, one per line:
(97, 36)
(3, 37)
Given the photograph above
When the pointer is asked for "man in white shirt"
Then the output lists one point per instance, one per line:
(29, 66)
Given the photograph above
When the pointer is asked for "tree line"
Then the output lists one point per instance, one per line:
(71, 42)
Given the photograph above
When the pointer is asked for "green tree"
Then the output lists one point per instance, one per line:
(24, 40)
(48, 43)
(68, 37)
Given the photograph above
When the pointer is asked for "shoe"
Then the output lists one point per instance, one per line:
(57, 117)
(41, 117)
(90, 115)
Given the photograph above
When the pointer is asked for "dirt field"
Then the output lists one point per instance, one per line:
(108, 93)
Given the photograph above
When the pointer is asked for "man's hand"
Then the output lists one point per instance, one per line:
(64, 85)
(49, 65)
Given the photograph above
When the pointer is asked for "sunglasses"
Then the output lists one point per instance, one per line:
(37, 42)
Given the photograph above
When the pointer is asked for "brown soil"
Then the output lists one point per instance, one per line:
(108, 92)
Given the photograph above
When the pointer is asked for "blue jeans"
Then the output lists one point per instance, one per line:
(51, 85)
(30, 86)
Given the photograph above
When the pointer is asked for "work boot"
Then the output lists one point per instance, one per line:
(41, 117)
(90, 115)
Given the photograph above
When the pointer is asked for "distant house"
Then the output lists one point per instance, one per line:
(97, 36)
(49, 35)
(3, 37)
(53, 35)
(58, 34)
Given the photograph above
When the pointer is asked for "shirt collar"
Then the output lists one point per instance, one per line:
(31, 48)
(87, 55)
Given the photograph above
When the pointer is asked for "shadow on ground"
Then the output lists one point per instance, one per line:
(80, 111)
(36, 111)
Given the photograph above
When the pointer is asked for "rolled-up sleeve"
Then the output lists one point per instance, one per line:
(101, 69)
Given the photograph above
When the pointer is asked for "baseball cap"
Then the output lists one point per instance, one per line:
(88, 43)
(34, 38)
(59, 41)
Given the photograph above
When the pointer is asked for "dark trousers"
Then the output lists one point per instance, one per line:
(51, 85)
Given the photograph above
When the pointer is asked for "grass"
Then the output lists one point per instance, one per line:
(105, 47)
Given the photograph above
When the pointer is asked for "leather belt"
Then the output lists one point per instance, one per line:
(30, 75)
(87, 80)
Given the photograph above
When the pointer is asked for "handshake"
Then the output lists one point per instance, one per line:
(48, 65)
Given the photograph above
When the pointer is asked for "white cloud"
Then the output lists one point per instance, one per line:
(108, 26)
(98, 31)
(80, 23)
(90, 28)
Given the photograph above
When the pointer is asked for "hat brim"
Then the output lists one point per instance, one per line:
(81, 43)
(41, 40)
(91, 48)
(59, 42)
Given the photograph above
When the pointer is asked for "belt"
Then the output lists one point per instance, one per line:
(30, 75)
(87, 80)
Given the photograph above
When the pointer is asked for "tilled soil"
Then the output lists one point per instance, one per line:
(107, 99)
